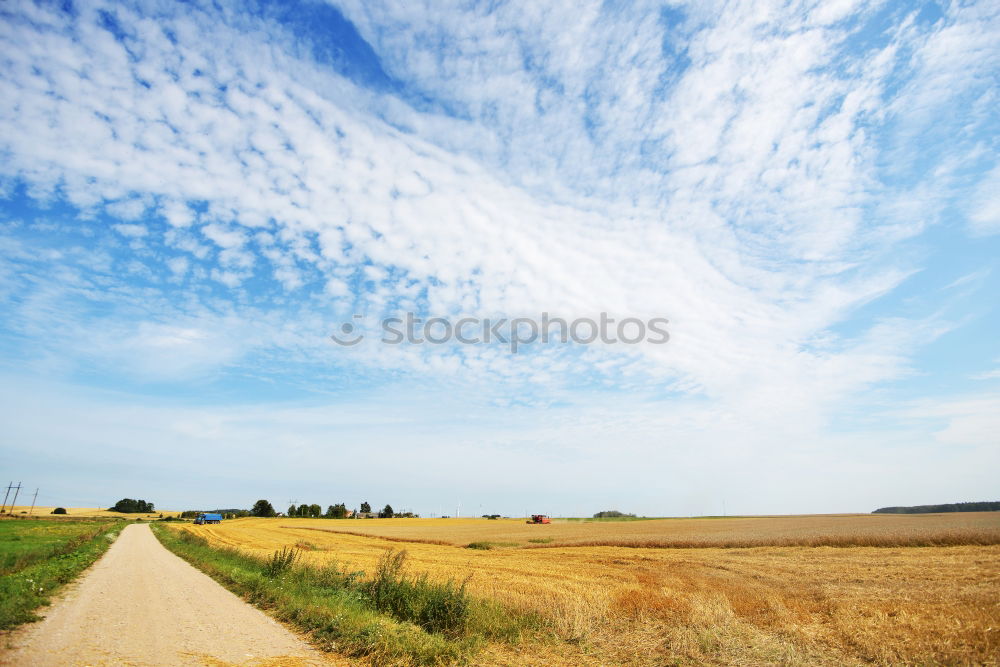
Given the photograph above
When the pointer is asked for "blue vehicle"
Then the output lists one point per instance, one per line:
(208, 518)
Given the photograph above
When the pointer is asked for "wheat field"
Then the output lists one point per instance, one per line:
(779, 604)
(981, 528)
(87, 512)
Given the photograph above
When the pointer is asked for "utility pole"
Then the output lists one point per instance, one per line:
(33, 502)
(13, 503)
(4, 506)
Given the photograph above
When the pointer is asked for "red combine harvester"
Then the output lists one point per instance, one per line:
(539, 518)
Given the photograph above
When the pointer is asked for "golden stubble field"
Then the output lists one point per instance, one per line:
(739, 604)
(86, 512)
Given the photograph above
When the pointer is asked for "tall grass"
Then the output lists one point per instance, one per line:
(280, 562)
(436, 607)
(392, 617)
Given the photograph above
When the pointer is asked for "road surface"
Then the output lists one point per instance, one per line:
(142, 605)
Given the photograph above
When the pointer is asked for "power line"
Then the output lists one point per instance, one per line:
(4, 506)
(13, 504)
(33, 502)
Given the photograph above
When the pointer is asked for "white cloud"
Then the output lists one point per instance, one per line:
(177, 214)
(993, 374)
(128, 209)
(131, 230)
(562, 162)
(963, 421)
(984, 213)
(747, 135)
(179, 265)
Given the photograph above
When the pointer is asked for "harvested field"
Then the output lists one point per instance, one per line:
(891, 530)
(760, 605)
(85, 512)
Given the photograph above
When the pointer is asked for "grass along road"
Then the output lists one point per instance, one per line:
(142, 605)
(38, 556)
(387, 615)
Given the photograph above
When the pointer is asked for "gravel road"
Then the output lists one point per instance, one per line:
(142, 605)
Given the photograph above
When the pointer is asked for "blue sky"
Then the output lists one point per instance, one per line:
(194, 196)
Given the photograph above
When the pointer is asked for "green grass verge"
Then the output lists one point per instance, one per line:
(389, 618)
(37, 556)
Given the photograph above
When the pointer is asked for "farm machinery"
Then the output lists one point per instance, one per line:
(539, 518)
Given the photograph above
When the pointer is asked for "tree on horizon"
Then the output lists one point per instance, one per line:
(263, 508)
(130, 506)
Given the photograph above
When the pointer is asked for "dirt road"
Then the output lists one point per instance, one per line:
(142, 605)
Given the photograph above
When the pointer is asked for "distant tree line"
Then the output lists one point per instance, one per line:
(611, 514)
(338, 511)
(130, 506)
(226, 513)
(232, 513)
(985, 506)
(263, 508)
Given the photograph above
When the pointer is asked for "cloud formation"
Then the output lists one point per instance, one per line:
(232, 183)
